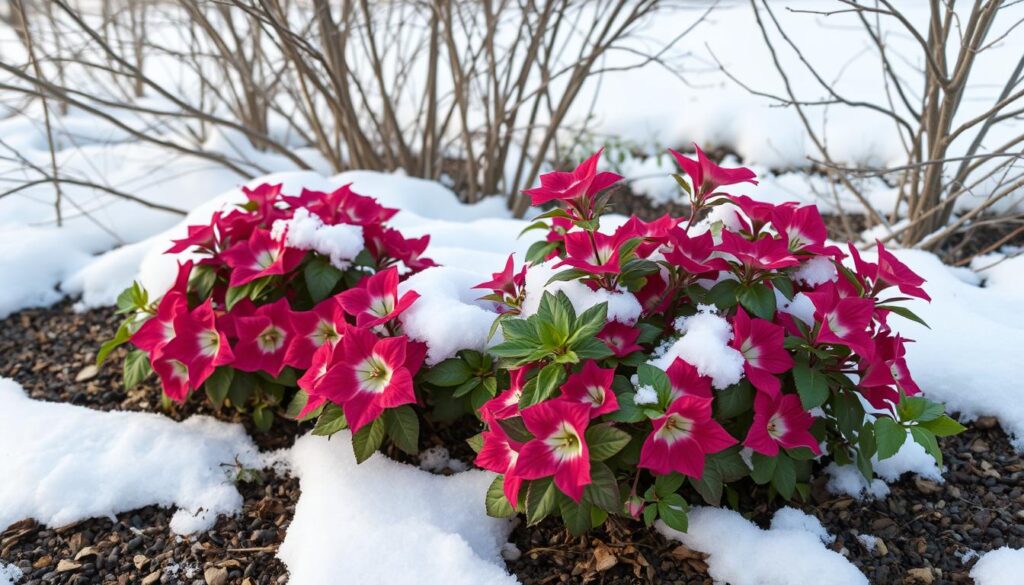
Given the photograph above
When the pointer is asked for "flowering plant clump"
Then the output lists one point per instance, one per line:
(680, 357)
(287, 300)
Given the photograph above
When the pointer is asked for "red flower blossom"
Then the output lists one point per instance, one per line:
(780, 420)
(595, 253)
(683, 437)
(159, 329)
(264, 339)
(375, 301)
(320, 362)
(620, 338)
(260, 256)
(324, 324)
(505, 283)
(558, 448)
(592, 386)
(765, 253)
(804, 230)
(506, 404)
(371, 375)
(884, 368)
(844, 321)
(198, 344)
(500, 455)
(585, 181)
(761, 343)
(687, 381)
(707, 177)
(694, 253)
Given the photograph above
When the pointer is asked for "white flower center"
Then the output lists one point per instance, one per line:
(776, 426)
(382, 306)
(676, 428)
(595, 395)
(373, 374)
(209, 342)
(565, 442)
(271, 339)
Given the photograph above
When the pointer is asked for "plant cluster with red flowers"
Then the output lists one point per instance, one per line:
(287, 300)
(755, 352)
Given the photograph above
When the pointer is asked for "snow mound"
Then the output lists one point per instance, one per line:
(67, 463)
(447, 316)
(9, 574)
(1002, 566)
(622, 306)
(387, 522)
(705, 344)
(791, 552)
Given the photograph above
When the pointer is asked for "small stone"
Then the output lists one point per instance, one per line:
(66, 565)
(76, 542)
(215, 575)
(979, 446)
(140, 561)
(922, 576)
(47, 560)
(604, 559)
(87, 373)
(926, 486)
(89, 551)
(152, 577)
(986, 422)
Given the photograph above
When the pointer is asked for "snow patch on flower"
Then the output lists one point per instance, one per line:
(447, 316)
(790, 552)
(800, 307)
(817, 270)
(705, 344)
(306, 231)
(83, 463)
(399, 524)
(1002, 566)
(622, 305)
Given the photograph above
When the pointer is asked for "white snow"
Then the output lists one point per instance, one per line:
(447, 316)
(386, 522)
(622, 305)
(70, 463)
(9, 574)
(306, 231)
(848, 480)
(646, 395)
(817, 270)
(869, 541)
(704, 343)
(790, 552)
(1003, 566)
(911, 458)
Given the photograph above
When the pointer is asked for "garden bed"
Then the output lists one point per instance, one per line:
(926, 530)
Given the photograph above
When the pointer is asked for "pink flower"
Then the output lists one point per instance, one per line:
(780, 420)
(804, 230)
(844, 321)
(620, 338)
(264, 339)
(324, 324)
(592, 386)
(375, 301)
(758, 212)
(500, 455)
(594, 253)
(761, 343)
(765, 253)
(370, 375)
(585, 181)
(506, 404)
(558, 447)
(173, 376)
(159, 329)
(343, 205)
(505, 283)
(707, 177)
(198, 344)
(694, 253)
(892, 272)
(320, 362)
(260, 256)
(683, 437)
(200, 236)
(886, 366)
(687, 381)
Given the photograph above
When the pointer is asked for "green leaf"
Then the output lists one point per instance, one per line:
(603, 489)
(123, 335)
(547, 383)
(811, 384)
(918, 408)
(904, 312)
(709, 486)
(592, 349)
(672, 510)
(321, 278)
(763, 468)
(403, 426)
(576, 517)
(784, 478)
(604, 441)
(218, 384)
(849, 413)
(668, 484)
(330, 421)
(449, 373)
(242, 384)
(495, 502)
(297, 404)
(136, 368)
(569, 274)
(368, 440)
(759, 299)
(723, 295)
(943, 426)
(539, 250)
(734, 400)
(263, 417)
(541, 499)
(889, 436)
(628, 411)
(589, 323)
(926, 439)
